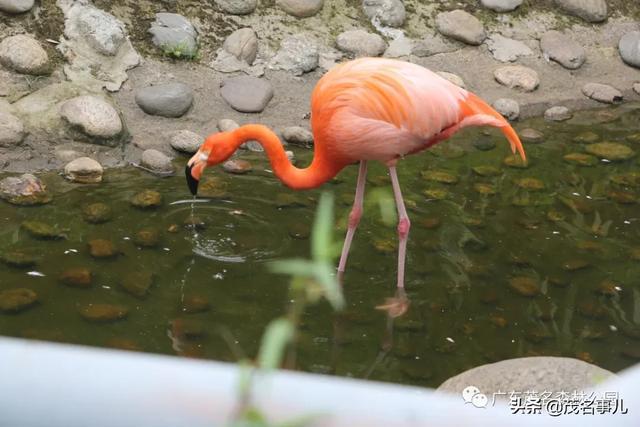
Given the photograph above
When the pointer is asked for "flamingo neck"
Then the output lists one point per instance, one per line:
(317, 173)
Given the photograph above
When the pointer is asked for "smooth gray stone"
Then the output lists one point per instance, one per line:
(167, 100)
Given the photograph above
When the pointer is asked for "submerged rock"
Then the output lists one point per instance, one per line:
(17, 300)
(237, 166)
(487, 171)
(611, 151)
(78, 277)
(440, 176)
(525, 286)
(147, 238)
(213, 187)
(103, 313)
(531, 135)
(102, 248)
(18, 258)
(298, 230)
(138, 283)
(24, 190)
(436, 193)
(575, 264)
(485, 189)
(558, 114)
(195, 304)
(580, 159)
(629, 179)
(586, 137)
(147, 199)
(96, 213)
(622, 197)
(515, 161)
(41, 230)
(531, 184)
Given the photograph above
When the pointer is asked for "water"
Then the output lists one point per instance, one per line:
(570, 244)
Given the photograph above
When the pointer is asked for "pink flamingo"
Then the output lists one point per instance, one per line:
(362, 110)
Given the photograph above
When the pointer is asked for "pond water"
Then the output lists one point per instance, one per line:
(503, 261)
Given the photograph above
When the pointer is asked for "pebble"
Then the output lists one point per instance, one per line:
(298, 135)
(147, 238)
(83, 170)
(246, 94)
(580, 159)
(185, 141)
(102, 248)
(390, 13)
(16, 6)
(41, 230)
(453, 78)
(137, 283)
(298, 54)
(237, 7)
(17, 300)
(147, 199)
(501, 5)
(531, 135)
(242, 44)
(78, 277)
(611, 151)
(94, 116)
(103, 313)
(23, 53)
(24, 190)
(602, 93)
(505, 49)
(157, 162)
(11, 130)
(461, 26)
(101, 30)
(166, 100)
(175, 35)
(517, 77)
(359, 43)
(589, 10)
(558, 114)
(300, 8)
(562, 49)
(237, 166)
(96, 213)
(509, 108)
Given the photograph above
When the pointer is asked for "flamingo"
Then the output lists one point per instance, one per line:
(368, 109)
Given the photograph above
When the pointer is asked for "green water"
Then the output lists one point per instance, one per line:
(463, 252)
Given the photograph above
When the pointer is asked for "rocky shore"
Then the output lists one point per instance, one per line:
(91, 85)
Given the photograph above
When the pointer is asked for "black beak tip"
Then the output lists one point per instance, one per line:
(192, 183)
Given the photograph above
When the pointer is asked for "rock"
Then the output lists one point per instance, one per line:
(11, 130)
(237, 7)
(102, 248)
(96, 213)
(515, 161)
(529, 374)
(360, 43)
(147, 199)
(195, 304)
(629, 179)
(622, 197)
(103, 313)
(175, 35)
(629, 48)
(611, 151)
(83, 170)
(487, 171)
(212, 187)
(390, 13)
(17, 300)
(193, 222)
(166, 100)
(15, 6)
(531, 135)
(525, 286)
(589, 10)
(558, 114)
(246, 94)
(226, 125)
(24, 190)
(575, 264)
(185, 141)
(237, 166)
(509, 108)
(243, 44)
(78, 277)
(531, 184)
(298, 54)
(443, 177)
(156, 161)
(636, 88)
(453, 78)
(501, 5)
(399, 47)
(300, 8)
(103, 32)
(580, 159)
(485, 189)
(433, 44)
(137, 283)
(94, 117)
(41, 230)
(147, 238)
(564, 50)
(297, 135)
(187, 328)
(517, 77)
(18, 258)
(23, 53)
(461, 26)
(506, 50)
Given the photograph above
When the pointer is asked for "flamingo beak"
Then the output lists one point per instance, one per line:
(194, 169)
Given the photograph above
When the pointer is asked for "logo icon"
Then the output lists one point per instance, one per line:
(471, 394)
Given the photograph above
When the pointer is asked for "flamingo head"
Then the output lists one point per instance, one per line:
(216, 149)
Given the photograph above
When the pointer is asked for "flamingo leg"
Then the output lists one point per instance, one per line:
(403, 225)
(354, 216)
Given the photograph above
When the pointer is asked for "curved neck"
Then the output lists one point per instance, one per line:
(318, 172)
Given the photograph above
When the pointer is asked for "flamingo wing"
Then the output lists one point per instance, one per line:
(383, 109)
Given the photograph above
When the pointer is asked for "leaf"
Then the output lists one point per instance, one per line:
(293, 267)
(274, 342)
(332, 289)
(322, 227)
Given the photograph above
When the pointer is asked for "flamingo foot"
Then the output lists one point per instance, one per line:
(397, 305)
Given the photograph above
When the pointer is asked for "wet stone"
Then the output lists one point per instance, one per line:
(525, 286)
(485, 189)
(591, 310)
(96, 213)
(609, 288)
(529, 223)
(594, 332)
(237, 166)
(299, 230)
(24, 190)
(515, 161)
(531, 135)
(407, 324)
(575, 264)
(629, 179)
(212, 187)
(587, 137)
(78, 277)
(182, 328)
(193, 222)
(484, 144)
(103, 313)
(442, 177)
(498, 320)
(41, 230)
(589, 246)
(18, 258)
(580, 159)
(472, 221)
(123, 344)
(436, 193)
(622, 197)
(84, 170)
(102, 248)
(611, 151)
(385, 246)
(555, 216)
(531, 184)
(138, 283)
(17, 300)
(147, 199)
(147, 238)
(487, 171)
(478, 270)
(577, 204)
(558, 282)
(195, 304)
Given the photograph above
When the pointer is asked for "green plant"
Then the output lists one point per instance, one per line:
(181, 51)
